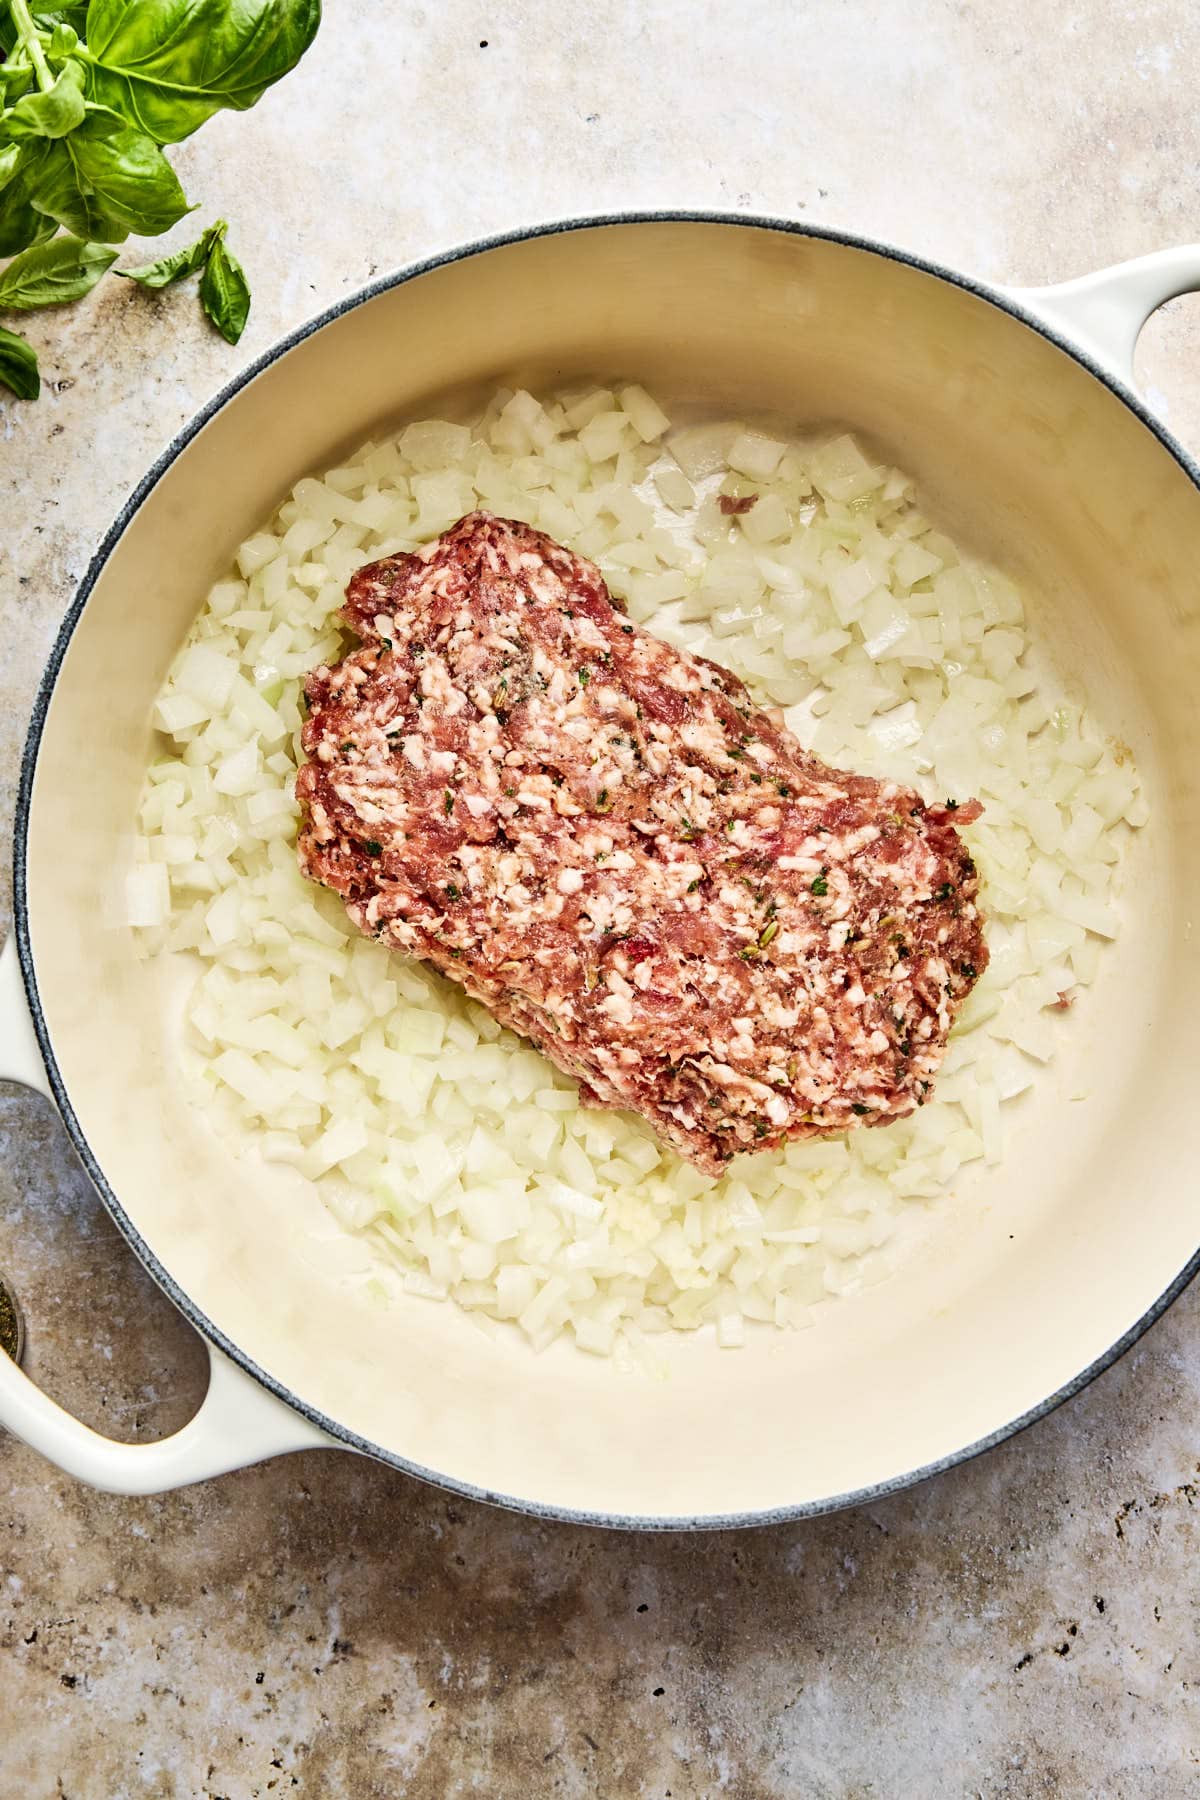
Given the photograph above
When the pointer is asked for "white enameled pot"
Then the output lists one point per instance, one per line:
(1016, 411)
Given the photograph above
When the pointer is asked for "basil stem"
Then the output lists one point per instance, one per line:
(31, 43)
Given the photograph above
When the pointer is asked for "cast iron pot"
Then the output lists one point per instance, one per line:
(1015, 411)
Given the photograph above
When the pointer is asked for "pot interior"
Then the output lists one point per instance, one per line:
(1039, 1267)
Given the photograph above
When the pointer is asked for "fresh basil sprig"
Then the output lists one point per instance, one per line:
(89, 95)
(224, 290)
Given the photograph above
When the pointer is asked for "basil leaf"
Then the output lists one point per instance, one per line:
(19, 366)
(168, 65)
(16, 77)
(225, 292)
(74, 14)
(53, 273)
(104, 180)
(20, 224)
(10, 157)
(52, 114)
(167, 269)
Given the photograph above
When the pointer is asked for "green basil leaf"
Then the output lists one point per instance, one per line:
(74, 15)
(61, 198)
(225, 292)
(168, 65)
(185, 262)
(16, 76)
(104, 180)
(53, 273)
(64, 39)
(10, 157)
(20, 223)
(52, 114)
(19, 366)
(22, 226)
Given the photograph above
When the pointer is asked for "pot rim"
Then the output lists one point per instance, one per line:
(982, 290)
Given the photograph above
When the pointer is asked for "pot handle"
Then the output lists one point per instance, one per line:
(239, 1422)
(1104, 313)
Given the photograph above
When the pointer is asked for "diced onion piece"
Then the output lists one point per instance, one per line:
(703, 449)
(176, 712)
(238, 772)
(645, 414)
(147, 895)
(755, 455)
(206, 675)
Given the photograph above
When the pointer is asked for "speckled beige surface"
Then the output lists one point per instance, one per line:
(1024, 1626)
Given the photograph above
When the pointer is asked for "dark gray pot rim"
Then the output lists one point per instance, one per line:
(180, 1298)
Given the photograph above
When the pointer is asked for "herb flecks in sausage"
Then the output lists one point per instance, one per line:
(639, 871)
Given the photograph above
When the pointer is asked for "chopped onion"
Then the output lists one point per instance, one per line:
(446, 1142)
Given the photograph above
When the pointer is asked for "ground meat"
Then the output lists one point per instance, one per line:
(605, 842)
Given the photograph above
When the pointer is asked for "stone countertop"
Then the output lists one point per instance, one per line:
(1026, 1625)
